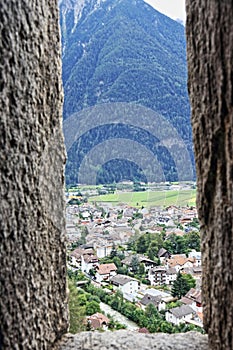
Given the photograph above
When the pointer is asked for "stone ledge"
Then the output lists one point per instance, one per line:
(125, 340)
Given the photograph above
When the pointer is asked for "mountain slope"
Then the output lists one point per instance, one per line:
(123, 51)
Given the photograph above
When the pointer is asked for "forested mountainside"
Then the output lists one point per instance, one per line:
(122, 51)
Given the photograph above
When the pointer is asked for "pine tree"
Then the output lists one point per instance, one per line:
(180, 286)
(76, 309)
(134, 264)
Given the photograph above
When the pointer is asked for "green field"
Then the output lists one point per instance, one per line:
(149, 199)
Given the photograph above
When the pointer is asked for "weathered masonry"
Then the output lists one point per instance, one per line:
(210, 62)
(33, 304)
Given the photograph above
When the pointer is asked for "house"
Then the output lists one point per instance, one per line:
(88, 262)
(97, 321)
(75, 258)
(197, 320)
(155, 300)
(164, 220)
(193, 299)
(105, 271)
(163, 254)
(180, 262)
(103, 250)
(172, 209)
(190, 213)
(171, 275)
(129, 212)
(144, 211)
(86, 215)
(180, 314)
(197, 256)
(157, 276)
(126, 284)
(195, 272)
(160, 275)
(166, 296)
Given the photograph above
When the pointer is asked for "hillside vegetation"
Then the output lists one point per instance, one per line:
(123, 51)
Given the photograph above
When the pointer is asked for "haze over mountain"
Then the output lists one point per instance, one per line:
(122, 51)
(174, 9)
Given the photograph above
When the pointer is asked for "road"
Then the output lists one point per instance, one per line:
(131, 326)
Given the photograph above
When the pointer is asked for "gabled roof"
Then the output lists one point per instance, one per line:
(97, 320)
(186, 301)
(171, 271)
(79, 251)
(194, 295)
(181, 311)
(100, 317)
(162, 252)
(90, 258)
(150, 299)
(122, 280)
(179, 260)
(104, 269)
(76, 254)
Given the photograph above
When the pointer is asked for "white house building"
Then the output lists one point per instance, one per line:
(171, 275)
(160, 275)
(155, 300)
(126, 284)
(105, 271)
(75, 259)
(89, 262)
(197, 256)
(180, 262)
(180, 314)
(103, 250)
(193, 298)
(157, 275)
(163, 254)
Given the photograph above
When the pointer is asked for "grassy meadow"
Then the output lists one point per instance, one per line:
(149, 199)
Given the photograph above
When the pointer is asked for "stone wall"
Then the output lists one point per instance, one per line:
(124, 340)
(210, 56)
(33, 305)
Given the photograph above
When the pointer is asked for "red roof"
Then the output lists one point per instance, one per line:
(105, 269)
(97, 320)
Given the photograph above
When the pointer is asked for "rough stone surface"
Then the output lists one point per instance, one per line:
(124, 340)
(33, 305)
(210, 56)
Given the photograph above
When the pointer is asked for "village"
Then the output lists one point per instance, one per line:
(143, 256)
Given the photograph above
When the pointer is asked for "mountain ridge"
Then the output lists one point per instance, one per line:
(124, 51)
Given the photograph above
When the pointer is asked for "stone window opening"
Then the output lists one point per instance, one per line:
(33, 304)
